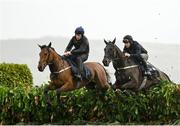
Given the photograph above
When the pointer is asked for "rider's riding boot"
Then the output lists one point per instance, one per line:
(146, 70)
(79, 65)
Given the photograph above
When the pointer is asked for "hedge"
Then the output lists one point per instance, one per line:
(26, 105)
(12, 75)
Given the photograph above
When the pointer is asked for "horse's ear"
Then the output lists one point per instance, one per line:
(105, 42)
(114, 40)
(49, 45)
(40, 46)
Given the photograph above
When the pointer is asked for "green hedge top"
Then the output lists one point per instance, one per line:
(159, 105)
(12, 75)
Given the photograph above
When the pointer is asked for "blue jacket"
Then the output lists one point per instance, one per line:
(81, 47)
(135, 50)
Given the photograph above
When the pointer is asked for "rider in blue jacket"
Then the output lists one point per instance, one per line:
(80, 50)
(134, 49)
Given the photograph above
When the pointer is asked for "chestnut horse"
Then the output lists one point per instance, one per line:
(61, 75)
(128, 73)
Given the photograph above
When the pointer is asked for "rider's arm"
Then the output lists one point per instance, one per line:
(69, 46)
(137, 51)
(84, 48)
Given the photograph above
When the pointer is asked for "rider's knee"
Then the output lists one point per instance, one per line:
(144, 56)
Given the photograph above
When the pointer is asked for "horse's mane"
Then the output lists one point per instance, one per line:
(118, 49)
(55, 52)
(44, 46)
(122, 54)
(120, 57)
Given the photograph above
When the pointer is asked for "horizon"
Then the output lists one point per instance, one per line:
(26, 51)
(92, 39)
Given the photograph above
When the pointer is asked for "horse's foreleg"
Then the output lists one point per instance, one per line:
(46, 90)
(58, 94)
(66, 87)
(129, 85)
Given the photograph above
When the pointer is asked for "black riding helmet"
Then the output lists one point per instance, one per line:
(128, 38)
(79, 30)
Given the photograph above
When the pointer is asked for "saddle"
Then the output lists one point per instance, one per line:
(86, 74)
(152, 69)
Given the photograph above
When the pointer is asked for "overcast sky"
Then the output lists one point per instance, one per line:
(145, 20)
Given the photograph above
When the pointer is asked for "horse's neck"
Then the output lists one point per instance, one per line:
(121, 61)
(57, 64)
(119, 58)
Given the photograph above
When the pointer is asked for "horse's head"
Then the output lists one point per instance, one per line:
(45, 57)
(109, 52)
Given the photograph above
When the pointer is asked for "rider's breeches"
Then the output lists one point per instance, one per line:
(144, 59)
(144, 56)
(79, 60)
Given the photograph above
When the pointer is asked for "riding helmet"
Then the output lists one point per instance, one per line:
(79, 30)
(128, 38)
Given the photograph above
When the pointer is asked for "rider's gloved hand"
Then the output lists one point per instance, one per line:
(127, 54)
(67, 53)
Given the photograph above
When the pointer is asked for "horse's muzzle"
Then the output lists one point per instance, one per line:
(41, 67)
(106, 62)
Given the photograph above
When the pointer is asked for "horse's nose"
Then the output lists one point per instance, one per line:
(105, 62)
(40, 68)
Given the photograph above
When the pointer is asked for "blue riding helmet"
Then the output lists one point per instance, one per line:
(79, 30)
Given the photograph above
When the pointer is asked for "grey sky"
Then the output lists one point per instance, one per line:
(145, 20)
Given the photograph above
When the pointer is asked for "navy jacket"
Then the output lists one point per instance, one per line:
(135, 50)
(80, 47)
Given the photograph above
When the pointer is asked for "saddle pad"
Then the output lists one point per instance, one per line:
(86, 72)
(152, 69)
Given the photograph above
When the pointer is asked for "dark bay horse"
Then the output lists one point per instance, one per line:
(61, 75)
(128, 73)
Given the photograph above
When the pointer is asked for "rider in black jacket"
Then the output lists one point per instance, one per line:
(134, 49)
(80, 51)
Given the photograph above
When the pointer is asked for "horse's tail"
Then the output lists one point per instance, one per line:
(167, 77)
(107, 74)
(162, 73)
